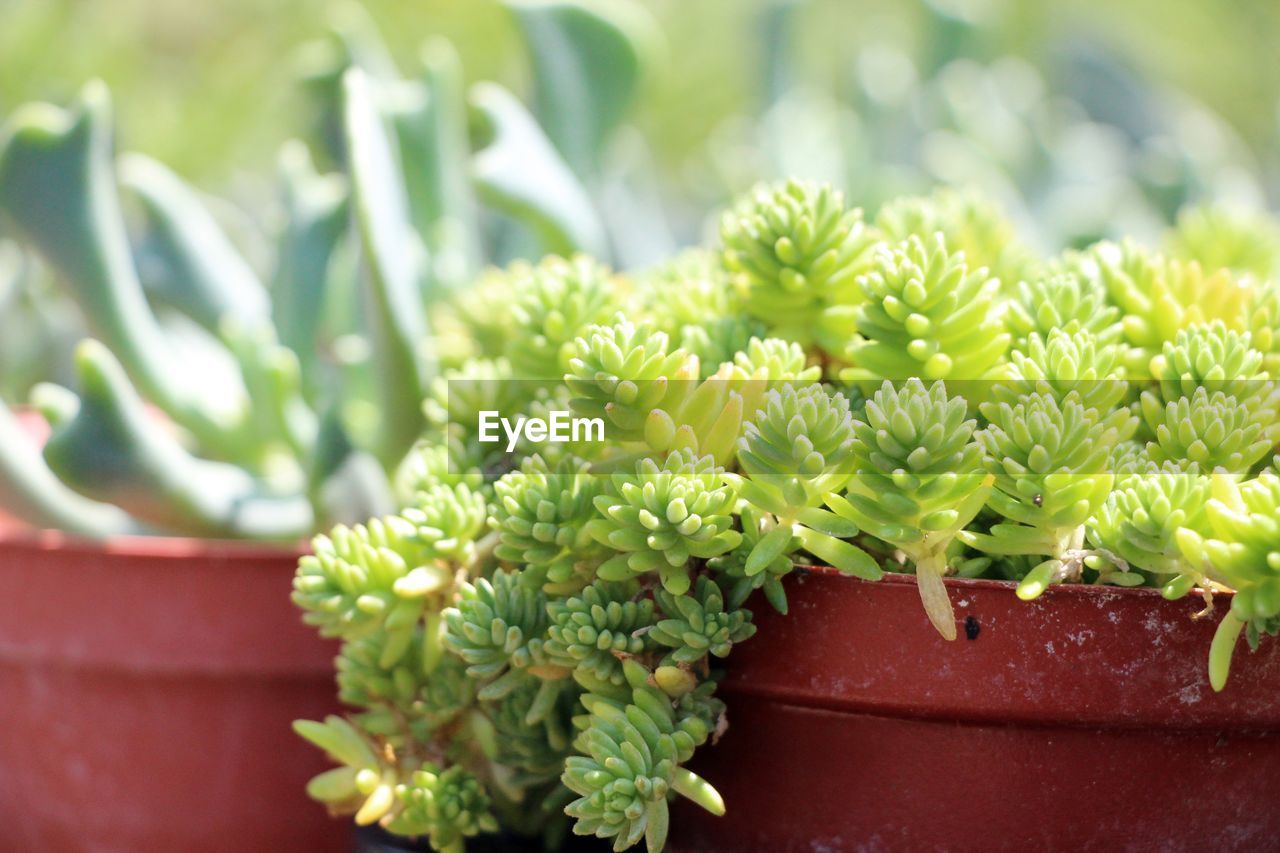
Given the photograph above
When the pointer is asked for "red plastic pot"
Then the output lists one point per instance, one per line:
(146, 692)
(1081, 721)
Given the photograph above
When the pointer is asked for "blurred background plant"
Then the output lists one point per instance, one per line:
(186, 69)
(257, 369)
(1082, 121)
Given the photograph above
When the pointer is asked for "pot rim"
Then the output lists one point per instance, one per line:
(21, 536)
(186, 547)
(1057, 589)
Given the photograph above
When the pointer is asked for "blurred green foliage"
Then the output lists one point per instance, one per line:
(203, 87)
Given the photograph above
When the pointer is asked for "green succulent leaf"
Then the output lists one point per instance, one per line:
(698, 624)
(926, 313)
(661, 516)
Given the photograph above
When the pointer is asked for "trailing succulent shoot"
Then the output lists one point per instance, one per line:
(1049, 459)
(539, 631)
(632, 749)
(798, 449)
(1241, 550)
(662, 515)
(917, 482)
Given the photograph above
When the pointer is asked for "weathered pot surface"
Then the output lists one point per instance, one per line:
(1081, 720)
(149, 685)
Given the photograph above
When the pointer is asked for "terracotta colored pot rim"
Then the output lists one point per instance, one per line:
(1112, 657)
(186, 547)
(182, 548)
(153, 547)
(1060, 589)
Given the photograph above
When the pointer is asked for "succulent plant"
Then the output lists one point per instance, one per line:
(400, 706)
(538, 631)
(1213, 430)
(690, 300)
(497, 628)
(446, 806)
(1240, 550)
(698, 624)
(597, 628)
(1065, 363)
(797, 450)
(290, 390)
(622, 372)
(1049, 458)
(532, 729)
(1218, 237)
(774, 360)
(661, 515)
(1262, 320)
(975, 227)
(741, 578)
(918, 480)
(1161, 296)
(633, 749)
(360, 781)
(1061, 301)
(556, 299)
(368, 578)
(451, 462)
(540, 514)
(1211, 356)
(926, 313)
(794, 250)
(1139, 521)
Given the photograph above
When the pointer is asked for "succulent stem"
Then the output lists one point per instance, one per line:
(1220, 651)
(933, 594)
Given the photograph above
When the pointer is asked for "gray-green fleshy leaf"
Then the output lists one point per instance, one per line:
(316, 210)
(57, 185)
(399, 329)
(588, 61)
(114, 451)
(520, 173)
(30, 491)
(430, 120)
(193, 266)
